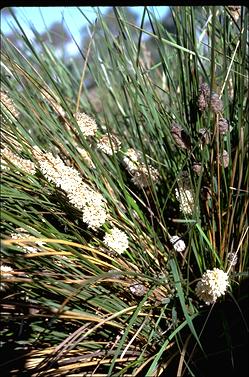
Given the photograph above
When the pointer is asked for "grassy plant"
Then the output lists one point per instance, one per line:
(76, 303)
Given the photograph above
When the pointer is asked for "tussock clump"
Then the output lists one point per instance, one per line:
(115, 258)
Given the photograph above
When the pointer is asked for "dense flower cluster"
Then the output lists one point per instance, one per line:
(205, 98)
(141, 177)
(235, 11)
(224, 159)
(22, 163)
(197, 168)
(215, 103)
(232, 259)
(204, 135)
(223, 126)
(178, 243)
(138, 169)
(109, 144)
(8, 104)
(80, 194)
(21, 234)
(54, 169)
(186, 200)
(132, 160)
(6, 273)
(117, 240)
(180, 136)
(87, 125)
(212, 285)
(138, 290)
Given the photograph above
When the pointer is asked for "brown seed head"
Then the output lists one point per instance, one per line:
(204, 135)
(181, 138)
(197, 168)
(202, 102)
(223, 126)
(216, 103)
(224, 159)
(8, 104)
(205, 90)
(138, 289)
(235, 11)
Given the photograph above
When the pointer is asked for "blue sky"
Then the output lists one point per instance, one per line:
(42, 17)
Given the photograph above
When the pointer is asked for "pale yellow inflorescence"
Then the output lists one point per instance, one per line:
(79, 193)
(87, 125)
(212, 285)
(5, 273)
(138, 169)
(132, 160)
(109, 144)
(21, 234)
(8, 104)
(138, 289)
(178, 243)
(22, 163)
(141, 176)
(235, 11)
(186, 200)
(117, 240)
(224, 159)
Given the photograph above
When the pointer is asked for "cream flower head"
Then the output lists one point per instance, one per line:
(139, 171)
(109, 144)
(117, 240)
(5, 273)
(186, 200)
(87, 125)
(212, 285)
(178, 243)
